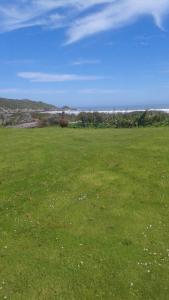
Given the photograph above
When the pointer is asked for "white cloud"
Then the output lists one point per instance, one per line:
(16, 14)
(17, 91)
(17, 61)
(80, 62)
(106, 14)
(8, 91)
(100, 91)
(31, 91)
(45, 77)
(117, 14)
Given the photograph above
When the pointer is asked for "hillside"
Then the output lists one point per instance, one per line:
(84, 214)
(15, 104)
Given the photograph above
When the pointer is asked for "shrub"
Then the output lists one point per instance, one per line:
(63, 122)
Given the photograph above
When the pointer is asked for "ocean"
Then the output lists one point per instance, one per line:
(114, 110)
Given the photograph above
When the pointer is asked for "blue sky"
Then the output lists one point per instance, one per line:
(85, 53)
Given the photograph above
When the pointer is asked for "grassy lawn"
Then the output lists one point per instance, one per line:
(84, 214)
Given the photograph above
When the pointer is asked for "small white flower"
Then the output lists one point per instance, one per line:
(131, 284)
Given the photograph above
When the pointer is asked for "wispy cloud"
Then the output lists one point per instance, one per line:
(45, 77)
(100, 91)
(13, 91)
(117, 14)
(80, 62)
(106, 15)
(16, 14)
(17, 61)
(8, 91)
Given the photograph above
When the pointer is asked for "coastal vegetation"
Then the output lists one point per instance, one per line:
(86, 119)
(15, 104)
(39, 114)
(123, 120)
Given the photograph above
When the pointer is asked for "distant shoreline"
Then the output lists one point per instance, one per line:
(111, 111)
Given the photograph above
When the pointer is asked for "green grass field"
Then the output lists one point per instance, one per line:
(84, 214)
